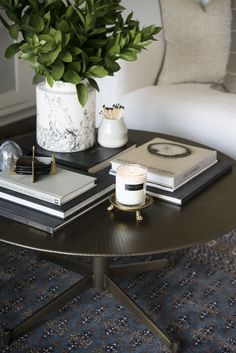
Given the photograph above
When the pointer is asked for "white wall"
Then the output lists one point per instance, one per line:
(146, 11)
(111, 88)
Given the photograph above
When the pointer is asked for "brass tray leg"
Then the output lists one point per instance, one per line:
(139, 217)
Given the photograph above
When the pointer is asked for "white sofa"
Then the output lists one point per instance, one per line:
(191, 110)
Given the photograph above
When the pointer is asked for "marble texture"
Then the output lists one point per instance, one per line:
(63, 125)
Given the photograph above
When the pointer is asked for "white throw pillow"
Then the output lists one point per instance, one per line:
(197, 40)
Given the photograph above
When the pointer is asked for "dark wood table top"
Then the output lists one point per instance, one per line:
(165, 227)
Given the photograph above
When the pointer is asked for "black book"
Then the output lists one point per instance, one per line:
(39, 220)
(92, 160)
(194, 186)
(104, 185)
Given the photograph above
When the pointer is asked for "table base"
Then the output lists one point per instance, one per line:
(98, 275)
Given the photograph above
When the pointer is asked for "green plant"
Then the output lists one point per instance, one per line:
(73, 41)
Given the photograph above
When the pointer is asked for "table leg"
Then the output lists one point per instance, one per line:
(98, 278)
(69, 264)
(78, 288)
(138, 267)
(121, 296)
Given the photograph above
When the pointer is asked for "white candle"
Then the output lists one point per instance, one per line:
(131, 184)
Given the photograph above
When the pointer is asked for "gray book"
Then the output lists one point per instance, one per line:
(103, 186)
(42, 221)
(167, 167)
(194, 186)
(57, 189)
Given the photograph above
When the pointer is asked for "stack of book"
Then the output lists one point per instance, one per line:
(53, 200)
(176, 171)
(91, 160)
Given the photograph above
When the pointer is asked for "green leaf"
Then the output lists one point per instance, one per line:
(50, 80)
(88, 21)
(34, 4)
(97, 31)
(46, 47)
(63, 26)
(12, 50)
(66, 57)
(93, 83)
(114, 50)
(25, 47)
(98, 71)
(57, 71)
(111, 65)
(4, 22)
(28, 57)
(72, 77)
(56, 35)
(45, 37)
(69, 12)
(28, 29)
(49, 2)
(37, 78)
(65, 39)
(47, 16)
(54, 54)
(128, 55)
(75, 66)
(137, 38)
(85, 62)
(95, 60)
(14, 31)
(35, 39)
(80, 15)
(38, 23)
(82, 93)
(45, 59)
(90, 4)
(129, 17)
(11, 16)
(75, 51)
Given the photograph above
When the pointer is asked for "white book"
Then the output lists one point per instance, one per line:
(168, 173)
(57, 189)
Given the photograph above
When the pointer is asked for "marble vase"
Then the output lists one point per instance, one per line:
(63, 125)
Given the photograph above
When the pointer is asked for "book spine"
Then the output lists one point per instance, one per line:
(20, 219)
(32, 205)
(30, 192)
(80, 213)
(162, 197)
(195, 169)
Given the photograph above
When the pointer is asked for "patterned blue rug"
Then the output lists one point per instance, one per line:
(194, 301)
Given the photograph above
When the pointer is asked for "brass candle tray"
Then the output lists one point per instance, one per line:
(137, 208)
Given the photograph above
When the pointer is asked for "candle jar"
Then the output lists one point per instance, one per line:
(131, 185)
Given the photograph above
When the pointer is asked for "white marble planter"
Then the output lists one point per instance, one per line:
(63, 125)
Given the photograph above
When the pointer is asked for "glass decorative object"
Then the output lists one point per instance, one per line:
(9, 150)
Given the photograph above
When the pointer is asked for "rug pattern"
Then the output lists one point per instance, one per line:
(195, 300)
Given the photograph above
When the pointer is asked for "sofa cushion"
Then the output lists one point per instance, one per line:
(230, 77)
(190, 110)
(197, 41)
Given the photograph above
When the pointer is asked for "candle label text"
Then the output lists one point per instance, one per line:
(134, 187)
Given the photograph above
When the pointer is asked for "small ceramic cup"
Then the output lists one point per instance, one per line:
(112, 133)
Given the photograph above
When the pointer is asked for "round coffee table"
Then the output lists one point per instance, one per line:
(101, 235)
